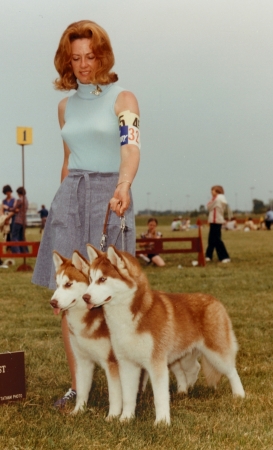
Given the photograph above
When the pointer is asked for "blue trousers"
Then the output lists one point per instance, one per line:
(18, 235)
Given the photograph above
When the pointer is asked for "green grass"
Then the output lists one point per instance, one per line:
(202, 420)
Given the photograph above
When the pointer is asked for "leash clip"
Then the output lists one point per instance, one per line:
(123, 229)
(102, 241)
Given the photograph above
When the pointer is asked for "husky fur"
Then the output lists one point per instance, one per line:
(89, 334)
(154, 330)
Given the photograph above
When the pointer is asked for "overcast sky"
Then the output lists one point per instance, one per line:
(202, 73)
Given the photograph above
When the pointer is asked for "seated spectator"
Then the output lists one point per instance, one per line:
(186, 224)
(268, 218)
(250, 225)
(151, 233)
(176, 224)
(230, 224)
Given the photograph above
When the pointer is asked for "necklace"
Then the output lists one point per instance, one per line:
(97, 91)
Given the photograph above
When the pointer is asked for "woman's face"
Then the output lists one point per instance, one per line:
(83, 60)
(151, 226)
(214, 193)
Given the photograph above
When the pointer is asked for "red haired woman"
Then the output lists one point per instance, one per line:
(100, 130)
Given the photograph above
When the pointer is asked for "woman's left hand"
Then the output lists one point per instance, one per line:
(120, 201)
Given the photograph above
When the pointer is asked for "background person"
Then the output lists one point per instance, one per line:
(249, 225)
(43, 214)
(230, 224)
(8, 204)
(19, 212)
(268, 219)
(216, 207)
(152, 233)
(176, 224)
(100, 129)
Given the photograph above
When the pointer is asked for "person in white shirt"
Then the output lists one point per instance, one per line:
(216, 207)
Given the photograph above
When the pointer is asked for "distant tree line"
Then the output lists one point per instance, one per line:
(259, 207)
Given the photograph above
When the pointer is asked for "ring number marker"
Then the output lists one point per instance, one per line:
(24, 135)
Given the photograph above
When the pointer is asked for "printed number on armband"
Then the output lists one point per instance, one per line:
(129, 135)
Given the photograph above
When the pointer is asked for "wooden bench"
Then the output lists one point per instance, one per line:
(31, 254)
(158, 246)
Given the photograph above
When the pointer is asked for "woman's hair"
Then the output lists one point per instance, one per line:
(152, 219)
(6, 189)
(21, 191)
(218, 189)
(101, 47)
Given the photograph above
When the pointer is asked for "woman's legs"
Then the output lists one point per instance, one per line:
(211, 241)
(16, 232)
(158, 261)
(216, 242)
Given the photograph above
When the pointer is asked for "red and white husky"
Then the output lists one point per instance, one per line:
(89, 334)
(152, 329)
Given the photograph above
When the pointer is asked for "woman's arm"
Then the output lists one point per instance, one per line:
(130, 156)
(61, 111)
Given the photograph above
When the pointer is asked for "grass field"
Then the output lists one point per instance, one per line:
(205, 419)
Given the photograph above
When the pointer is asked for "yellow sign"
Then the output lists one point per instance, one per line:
(24, 135)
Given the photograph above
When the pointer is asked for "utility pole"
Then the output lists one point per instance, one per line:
(24, 137)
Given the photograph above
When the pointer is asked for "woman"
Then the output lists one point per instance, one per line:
(216, 207)
(100, 130)
(18, 213)
(8, 204)
(152, 233)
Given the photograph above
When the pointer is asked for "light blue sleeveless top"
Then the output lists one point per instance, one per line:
(91, 129)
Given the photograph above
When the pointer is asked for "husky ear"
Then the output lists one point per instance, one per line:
(58, 259)
(92, 252)
(80, 262)
(115, 257)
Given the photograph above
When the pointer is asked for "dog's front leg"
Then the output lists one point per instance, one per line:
(84, 377)
(129, 376)
(159, 376)
(114, 389)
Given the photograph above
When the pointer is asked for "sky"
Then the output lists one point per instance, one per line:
(201, 71)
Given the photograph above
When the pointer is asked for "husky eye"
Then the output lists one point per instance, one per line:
(68, 284)
(102, 279)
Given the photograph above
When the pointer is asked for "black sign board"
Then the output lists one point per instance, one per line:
(12, 377)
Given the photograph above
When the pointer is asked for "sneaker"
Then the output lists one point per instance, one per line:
(227, 260)
(208, 259)
(145, 258)
(70, 395)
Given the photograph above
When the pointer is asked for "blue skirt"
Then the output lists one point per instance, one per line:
(76, 218)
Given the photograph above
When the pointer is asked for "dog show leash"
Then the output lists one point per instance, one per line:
(104, 231)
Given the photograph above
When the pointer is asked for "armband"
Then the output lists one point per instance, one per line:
(129, 128)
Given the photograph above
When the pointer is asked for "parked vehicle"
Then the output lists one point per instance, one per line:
(33, 219)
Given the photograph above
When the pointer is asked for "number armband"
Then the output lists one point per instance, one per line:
(129, 128)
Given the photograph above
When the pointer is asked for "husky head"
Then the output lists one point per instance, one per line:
(72, 281)
(112, 277)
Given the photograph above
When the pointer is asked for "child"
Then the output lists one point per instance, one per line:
(216, 207)
(152, 233)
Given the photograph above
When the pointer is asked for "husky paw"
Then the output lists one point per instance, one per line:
(125, 419)
(162, 422)
(183, 391)
(77, 410)
(111, 417)
(239, 394)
